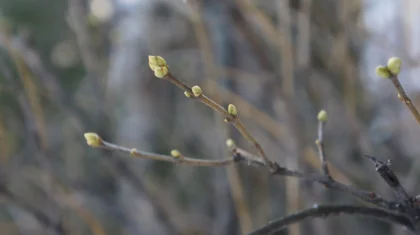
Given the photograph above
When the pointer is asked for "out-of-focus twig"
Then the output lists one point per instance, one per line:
(328, 210)
(78, 21)
(44, 219)
(4, 148)
(31, 90)
(303, 43)
(121, 168)
(90, 220)
(220, 53)
(287, 70)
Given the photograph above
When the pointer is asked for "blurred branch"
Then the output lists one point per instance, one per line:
(328, 210)
(43, 218)
(51, 88)
(122, 168)
(286, 69)
(4, 147)
(93, 223)
(215, 44)
(78, 22)
(31, 90)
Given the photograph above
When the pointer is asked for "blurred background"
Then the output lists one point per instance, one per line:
(76, 66)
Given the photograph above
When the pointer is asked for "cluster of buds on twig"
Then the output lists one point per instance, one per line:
(392, 68)
(158, 65)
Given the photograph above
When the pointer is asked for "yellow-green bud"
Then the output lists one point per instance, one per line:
(382, 71)
(156, 61)
(196, 90)
(230, 143)
(133, 152)
(322, 116)
(175, 153)
(232, 110)
(161, 72)
(394, 65)
(188, 94)
(93, 139)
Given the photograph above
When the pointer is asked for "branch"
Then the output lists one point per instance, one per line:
(161, 70)
(384, 170)
(230, 117)
(402, 95)
(95, 141)
(391, 71)
(326, 180)
(241, 156)
(327, 210)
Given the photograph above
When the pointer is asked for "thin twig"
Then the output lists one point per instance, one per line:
(320, 144)
(327, 210)
(242, 156)
(236, 122)
(166, 158)
(402, 95)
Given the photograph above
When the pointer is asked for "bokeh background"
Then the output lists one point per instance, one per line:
(76, 66)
